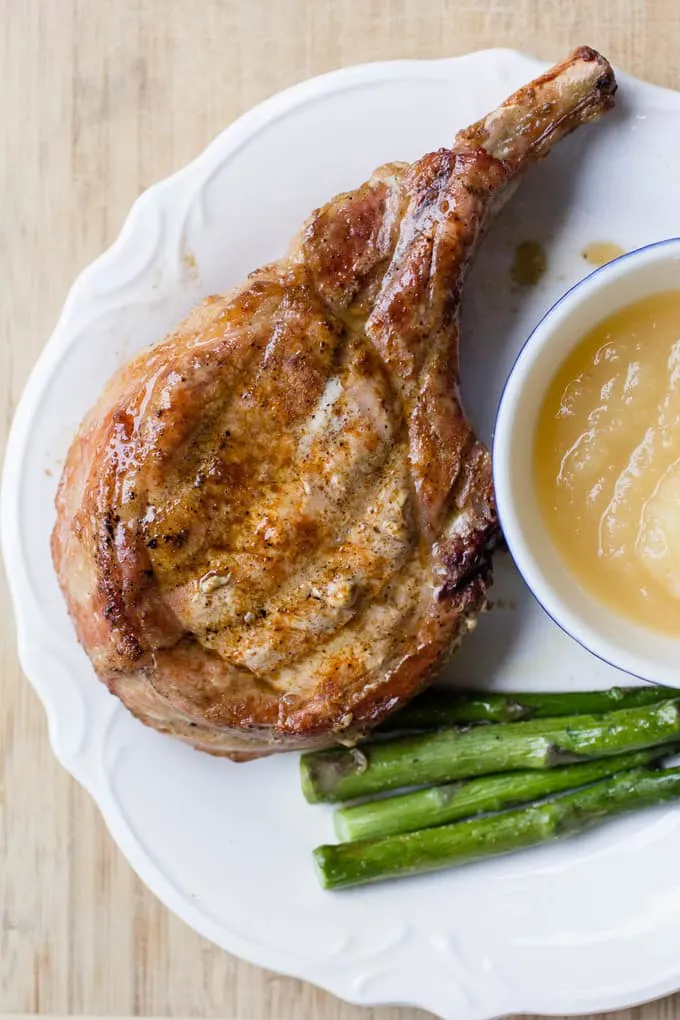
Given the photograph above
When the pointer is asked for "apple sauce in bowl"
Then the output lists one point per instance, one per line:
(587, 462)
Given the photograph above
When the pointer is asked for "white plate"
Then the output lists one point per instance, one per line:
(591, 924)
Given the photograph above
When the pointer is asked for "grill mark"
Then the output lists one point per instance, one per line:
(293, 601)
(227, 425)
(340, 522)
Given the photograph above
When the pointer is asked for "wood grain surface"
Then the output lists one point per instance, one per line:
(100, 98)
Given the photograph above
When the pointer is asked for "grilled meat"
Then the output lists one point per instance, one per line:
(276, 523)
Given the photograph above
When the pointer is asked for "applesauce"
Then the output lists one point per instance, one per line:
(607, 461)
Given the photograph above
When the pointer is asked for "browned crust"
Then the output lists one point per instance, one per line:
(369, 294)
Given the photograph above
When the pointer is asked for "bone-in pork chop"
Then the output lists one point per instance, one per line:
(276, 523)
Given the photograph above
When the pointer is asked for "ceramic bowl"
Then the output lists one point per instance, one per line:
(635, 649)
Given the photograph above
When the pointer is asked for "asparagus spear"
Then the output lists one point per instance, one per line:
(451, 708)
(344, 774)
(438, 805)
(448, 845)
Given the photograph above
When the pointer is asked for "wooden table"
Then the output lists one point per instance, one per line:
(100, 99)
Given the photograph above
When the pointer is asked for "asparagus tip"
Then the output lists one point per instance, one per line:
(307, 784)
(320, 855)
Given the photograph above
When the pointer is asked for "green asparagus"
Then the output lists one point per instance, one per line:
(440, 707)
(447, 845)
(341, 774)
(439, 805)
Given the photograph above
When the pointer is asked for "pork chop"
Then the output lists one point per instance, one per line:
(275, 524)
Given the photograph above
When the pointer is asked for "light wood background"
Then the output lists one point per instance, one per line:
(99, 99)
